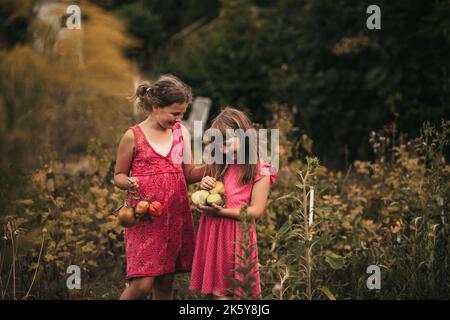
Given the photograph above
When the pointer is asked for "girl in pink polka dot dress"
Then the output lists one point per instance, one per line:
(216, 251)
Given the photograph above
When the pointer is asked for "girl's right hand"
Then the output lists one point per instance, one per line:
(132, 184)
(207, 183)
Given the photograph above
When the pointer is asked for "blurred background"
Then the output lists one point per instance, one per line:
(358, 99)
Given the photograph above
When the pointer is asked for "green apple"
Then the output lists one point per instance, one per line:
(199, 197)
(214, 198)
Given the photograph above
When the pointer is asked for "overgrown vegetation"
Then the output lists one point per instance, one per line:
(381, 193)
(392, 212)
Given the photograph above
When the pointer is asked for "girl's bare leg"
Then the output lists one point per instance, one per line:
(138, 289)
(163, 287)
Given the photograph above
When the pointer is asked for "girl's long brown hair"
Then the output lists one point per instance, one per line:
(231, 118)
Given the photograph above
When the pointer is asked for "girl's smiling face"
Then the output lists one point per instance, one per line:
(167, 117)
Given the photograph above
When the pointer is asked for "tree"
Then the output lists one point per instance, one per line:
(318, 55)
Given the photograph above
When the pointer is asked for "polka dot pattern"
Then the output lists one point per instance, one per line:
(216, 251)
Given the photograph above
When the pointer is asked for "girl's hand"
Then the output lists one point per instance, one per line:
(133, 184)
(208, 183)
(212, 210)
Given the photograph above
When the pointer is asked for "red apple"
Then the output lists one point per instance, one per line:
(142, 208)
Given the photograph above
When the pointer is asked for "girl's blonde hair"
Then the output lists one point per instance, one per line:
(166, 91)
(231, 118)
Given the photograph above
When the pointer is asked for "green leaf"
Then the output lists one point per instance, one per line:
(334, 260)
(326, 291)
(300, 185)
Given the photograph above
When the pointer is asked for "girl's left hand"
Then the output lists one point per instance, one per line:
(212, 210)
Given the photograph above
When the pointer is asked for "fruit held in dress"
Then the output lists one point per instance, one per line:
(142, 208)
(127, 217)
(155, 209)
(214, 199)
(214, 196)
(218, 188)
(199, 197)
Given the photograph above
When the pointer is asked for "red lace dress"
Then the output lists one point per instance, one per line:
(163, 244)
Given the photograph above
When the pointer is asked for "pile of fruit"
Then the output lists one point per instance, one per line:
(214, 196)
(129, 216)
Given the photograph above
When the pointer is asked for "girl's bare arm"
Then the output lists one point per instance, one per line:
(123, 162)
(192, 172)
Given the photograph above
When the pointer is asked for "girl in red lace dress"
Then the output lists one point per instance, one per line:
(149, 163)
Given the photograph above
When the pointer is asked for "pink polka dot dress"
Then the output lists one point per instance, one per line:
(163, 244)
(214, 257)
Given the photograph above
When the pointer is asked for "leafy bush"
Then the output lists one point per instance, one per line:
(392, 212)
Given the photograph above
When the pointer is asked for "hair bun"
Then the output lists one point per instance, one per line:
(143, 89)
(166, 91)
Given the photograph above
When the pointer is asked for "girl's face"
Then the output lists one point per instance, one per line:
(231, 145)
(167, 117)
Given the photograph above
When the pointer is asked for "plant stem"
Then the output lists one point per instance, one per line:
(307, 236)
(1, 269)
(37, 268)
(13, 263)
